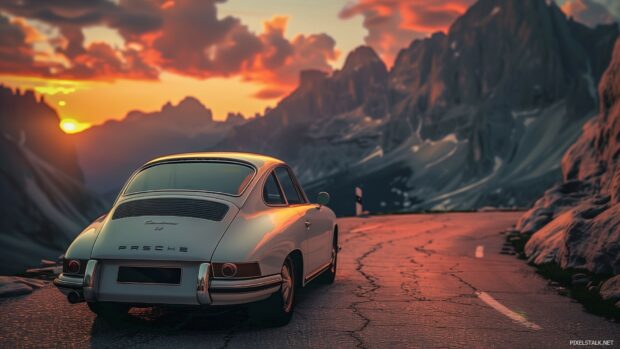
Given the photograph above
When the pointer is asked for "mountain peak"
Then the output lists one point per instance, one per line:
(188, 103)
(189, 108)
(311, 77)
(511, 13)
(360, 57)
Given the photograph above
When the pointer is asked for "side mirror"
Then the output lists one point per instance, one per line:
(322, 199)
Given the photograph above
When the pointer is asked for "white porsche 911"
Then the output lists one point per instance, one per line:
(204, 229)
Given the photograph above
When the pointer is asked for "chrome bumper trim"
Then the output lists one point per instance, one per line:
(90, 278)
(65, 281)
(232, 285)
(231, 291)
(202, 284)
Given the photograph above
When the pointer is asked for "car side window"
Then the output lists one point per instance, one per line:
(288, 186)
(300, 190)
(271, 191)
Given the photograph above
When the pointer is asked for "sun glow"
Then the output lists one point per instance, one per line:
(73, 126)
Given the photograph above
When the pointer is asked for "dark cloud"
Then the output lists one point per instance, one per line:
(98, 61)
(281, 60)
(181, 36)
(193, 41)
(393, 24)
(102, 62)
(61, 12)
(16, 53)
(134, 18)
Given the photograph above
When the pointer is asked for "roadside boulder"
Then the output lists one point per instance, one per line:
(610, 290)
(11, 286)
(576, 224)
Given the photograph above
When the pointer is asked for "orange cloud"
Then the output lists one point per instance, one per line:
(393, 24)
(279, 65)
(31, 34)
(17, 55)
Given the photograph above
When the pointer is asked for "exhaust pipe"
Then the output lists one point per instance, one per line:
(75, 297)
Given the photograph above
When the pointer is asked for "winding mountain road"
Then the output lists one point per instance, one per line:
(404, 281)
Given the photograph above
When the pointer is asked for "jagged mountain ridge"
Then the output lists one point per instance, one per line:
(44, 202)
(110, 152)
(476, 117)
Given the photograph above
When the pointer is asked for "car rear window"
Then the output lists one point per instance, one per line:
(220, 177)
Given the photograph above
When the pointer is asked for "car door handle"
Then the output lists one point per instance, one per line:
(308, 223)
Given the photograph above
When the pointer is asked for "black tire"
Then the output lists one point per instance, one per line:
(329, 275)
(277, 310)
(110, 311)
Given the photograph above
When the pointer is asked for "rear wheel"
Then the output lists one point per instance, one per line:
(329, 275)
(278, 309)
(111, 311)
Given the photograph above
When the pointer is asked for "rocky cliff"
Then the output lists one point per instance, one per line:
(576, 224)
(44, 203)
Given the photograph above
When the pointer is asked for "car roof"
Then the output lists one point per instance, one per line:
(257, 160)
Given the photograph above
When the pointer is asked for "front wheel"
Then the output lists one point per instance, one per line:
(278, 309)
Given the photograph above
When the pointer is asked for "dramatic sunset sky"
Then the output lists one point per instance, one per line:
(95, 60)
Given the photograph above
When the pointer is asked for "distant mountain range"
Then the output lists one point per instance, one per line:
(44, 202)
(109, 153)
(476, 117)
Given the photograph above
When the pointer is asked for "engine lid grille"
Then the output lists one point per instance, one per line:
(203, 209)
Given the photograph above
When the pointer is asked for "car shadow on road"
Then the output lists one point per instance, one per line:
(158, 321)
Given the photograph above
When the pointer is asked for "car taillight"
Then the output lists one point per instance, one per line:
(73, 266)
(229, 270)
(239, 270)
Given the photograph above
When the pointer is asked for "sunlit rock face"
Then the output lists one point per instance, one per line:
(480, 116)
(44, 203)
(577, 223)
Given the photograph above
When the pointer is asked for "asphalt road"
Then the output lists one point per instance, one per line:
(405, 281)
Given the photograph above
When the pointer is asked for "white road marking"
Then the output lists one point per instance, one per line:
(485, 297)
(365, 228)
(479, 251)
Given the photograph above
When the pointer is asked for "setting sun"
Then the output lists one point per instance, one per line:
(73, 126)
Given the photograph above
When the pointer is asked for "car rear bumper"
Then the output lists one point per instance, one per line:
(66, 283)
(226, 291)
(196, 288)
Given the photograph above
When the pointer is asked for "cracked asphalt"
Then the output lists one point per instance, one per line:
(404, 281)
